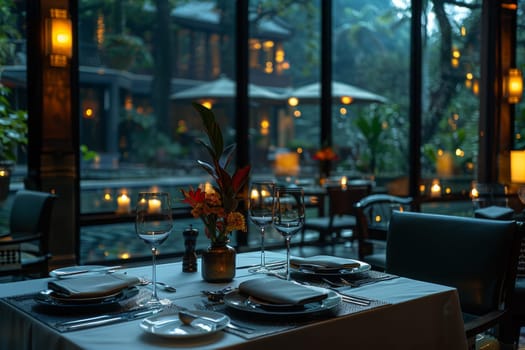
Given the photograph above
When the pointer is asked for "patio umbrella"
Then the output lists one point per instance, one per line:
(224, 88)
(312, 92)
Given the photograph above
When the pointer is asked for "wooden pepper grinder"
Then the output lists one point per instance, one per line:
(189, 260)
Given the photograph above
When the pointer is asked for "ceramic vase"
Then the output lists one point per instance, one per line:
(218, 263)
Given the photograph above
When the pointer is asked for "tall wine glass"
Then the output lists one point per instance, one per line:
(153, 224)
(260, 207)
(288, 216)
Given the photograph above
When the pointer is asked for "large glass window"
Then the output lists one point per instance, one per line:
(451, 77)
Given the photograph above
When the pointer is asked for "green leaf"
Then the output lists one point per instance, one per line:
(227, 155)
(211, 127)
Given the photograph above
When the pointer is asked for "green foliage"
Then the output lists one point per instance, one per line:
(87, 154)
(147, 144)
(8, 31)
(380, 139)
(13, 128)
(124, 51)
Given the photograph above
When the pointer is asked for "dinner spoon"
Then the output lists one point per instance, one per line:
(187, 317)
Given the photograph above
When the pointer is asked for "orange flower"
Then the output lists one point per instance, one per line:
(325, 153)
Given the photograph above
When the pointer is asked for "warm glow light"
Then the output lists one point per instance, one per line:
(377, 218)
(208, 104)
(435, 189)
(297, 113)
(293, 101)
(89, 113)
(299, 150)
(343, 182)
(154, 206)
(513, 85)
(107, 197)
(422, 189)
(59, 37)
(474, 193)
(254, 194)
(475, 87)
(517, 166)
(123, 204)
(3, 173)
(343, 111)
(346, 100)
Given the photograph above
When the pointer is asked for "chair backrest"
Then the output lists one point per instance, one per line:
(476, 256)
(373, 215)
(10, 256)
(341, 201)
(31, 215)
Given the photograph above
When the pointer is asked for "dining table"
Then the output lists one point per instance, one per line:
(372, 310)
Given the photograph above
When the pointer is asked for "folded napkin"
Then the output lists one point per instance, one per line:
(92, 286)
(323, 263)
(278, 291)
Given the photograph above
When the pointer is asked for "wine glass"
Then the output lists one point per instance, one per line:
(153, 224)
(260, 207)
(288, 215)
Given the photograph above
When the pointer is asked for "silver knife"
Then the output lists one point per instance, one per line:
(106, 319)
(78, 272)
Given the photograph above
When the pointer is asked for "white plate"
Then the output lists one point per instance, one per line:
(243, 302)
(82, 270)
(363, 267)
(169, 325)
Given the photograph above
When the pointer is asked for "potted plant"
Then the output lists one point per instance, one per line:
(13, 132)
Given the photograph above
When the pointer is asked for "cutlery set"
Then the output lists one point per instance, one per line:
(107, 319)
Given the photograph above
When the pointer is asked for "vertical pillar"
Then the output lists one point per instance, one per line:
(53, 128)
(498, 51)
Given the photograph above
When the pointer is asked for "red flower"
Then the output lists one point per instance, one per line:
(325, 153)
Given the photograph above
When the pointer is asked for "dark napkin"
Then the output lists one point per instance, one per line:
(277, 291)
(323, 263)
(92, 286)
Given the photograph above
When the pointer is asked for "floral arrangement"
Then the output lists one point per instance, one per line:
(325, 153)
(217, 205)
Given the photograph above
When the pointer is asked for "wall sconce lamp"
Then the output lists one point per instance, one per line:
(59, 38)
(517, 166)
(513, 85)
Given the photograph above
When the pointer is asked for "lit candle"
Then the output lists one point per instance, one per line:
(435, 190)
(343, 183)
(154, 206)
(123, 203)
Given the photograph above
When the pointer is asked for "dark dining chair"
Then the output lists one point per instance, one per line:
(24, 250)
(373, 215)
(341, 213)
(476, 256)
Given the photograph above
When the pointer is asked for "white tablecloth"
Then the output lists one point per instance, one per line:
(419, 316)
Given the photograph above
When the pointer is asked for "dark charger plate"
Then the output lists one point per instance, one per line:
(50, 301)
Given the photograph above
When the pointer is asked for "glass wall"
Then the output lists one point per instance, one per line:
(142, 63)
(451, 76)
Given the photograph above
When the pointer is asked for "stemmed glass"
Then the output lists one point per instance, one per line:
(288, 215)
(260, 207)
(153, 224)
